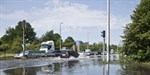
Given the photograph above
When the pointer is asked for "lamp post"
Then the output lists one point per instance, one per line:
(60, 36)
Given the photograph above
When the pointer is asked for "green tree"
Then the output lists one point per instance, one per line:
(56, 39)
(69, 42)
(9, 36)
(137, 34)
(33, 46)
(4, 47)
(13, 36)
(50, 35)
(47, 36)
(29, 32)
(1, 42)
(114, 47)
(16, 45)
(13, 33)
(82, 46)
(97, 46)
(57, 44)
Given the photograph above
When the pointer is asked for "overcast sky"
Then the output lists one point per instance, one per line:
(79, 17)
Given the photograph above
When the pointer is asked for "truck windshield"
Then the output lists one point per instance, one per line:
(46, 46)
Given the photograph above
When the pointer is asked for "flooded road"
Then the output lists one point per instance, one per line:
(73, 66)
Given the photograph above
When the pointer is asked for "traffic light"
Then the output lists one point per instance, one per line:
(103, 33)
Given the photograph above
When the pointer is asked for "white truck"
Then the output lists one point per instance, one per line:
(46, 49)
(47, 46)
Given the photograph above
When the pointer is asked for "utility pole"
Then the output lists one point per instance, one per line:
(108, 29)
(60, 37)
(24, 43)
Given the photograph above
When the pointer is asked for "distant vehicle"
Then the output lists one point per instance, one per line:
(68, 53)
(104, 52)
(112, 51)
(64, 54)
(73, 53)
(92, 53)
(87, 51)
(98, 53)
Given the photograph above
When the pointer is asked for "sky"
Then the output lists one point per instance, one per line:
(81, 19)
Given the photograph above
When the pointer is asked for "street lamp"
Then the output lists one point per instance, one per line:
(60, 35)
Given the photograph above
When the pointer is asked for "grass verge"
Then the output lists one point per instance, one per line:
(7, 55)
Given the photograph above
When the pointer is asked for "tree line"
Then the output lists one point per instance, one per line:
(11, 41)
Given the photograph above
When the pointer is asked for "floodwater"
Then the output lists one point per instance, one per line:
(94, 65)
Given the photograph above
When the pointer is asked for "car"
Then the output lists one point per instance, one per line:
(57, 53)
(98, 53)
(64, 54)
(18, 56)
(68, 53)
(73, 53)
(92, 53)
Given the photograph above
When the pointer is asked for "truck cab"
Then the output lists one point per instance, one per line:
(47, 46)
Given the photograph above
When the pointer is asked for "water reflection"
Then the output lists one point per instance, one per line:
(21, 71)
(48, 68)
(106, 68)
(84, 66)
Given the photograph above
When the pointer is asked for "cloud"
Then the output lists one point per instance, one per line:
(75, 17)
(73, 14)
(118, 22)
(15, 15)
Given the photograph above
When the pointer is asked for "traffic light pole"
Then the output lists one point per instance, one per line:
(103, 48)
(103, 35)
(24, 44)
